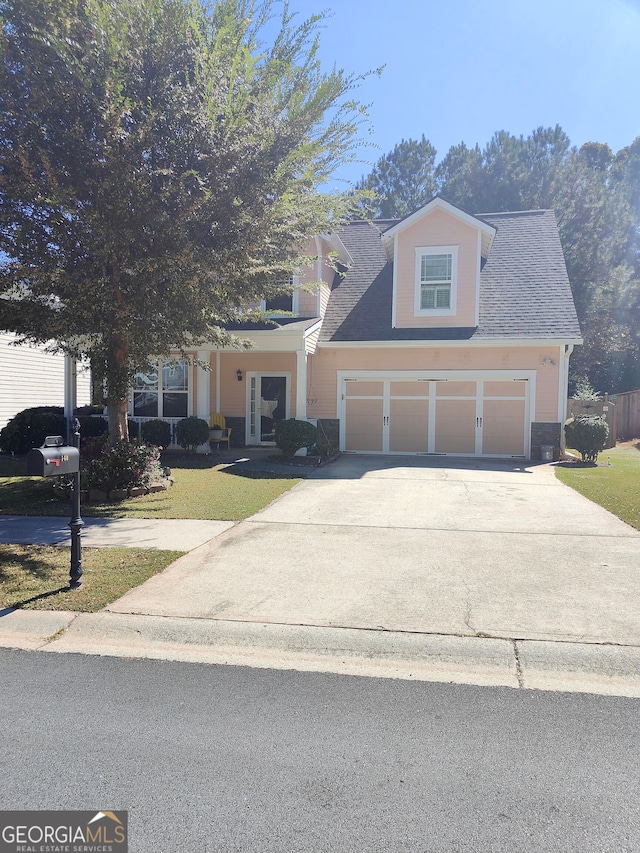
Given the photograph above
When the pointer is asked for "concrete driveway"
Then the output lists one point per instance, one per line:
(422, 545)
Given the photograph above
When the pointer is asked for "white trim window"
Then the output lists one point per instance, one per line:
(436, 280)
(162, 393)
(284, 304)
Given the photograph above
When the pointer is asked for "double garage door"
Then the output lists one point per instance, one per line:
(470, 416)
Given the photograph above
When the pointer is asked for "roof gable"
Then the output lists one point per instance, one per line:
(524, 287)
(438, 203)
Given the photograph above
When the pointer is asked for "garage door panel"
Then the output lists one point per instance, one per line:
(359, 388)
(364, 425)
(455, 388)
(409, 389)
(409, 426)
(500, 388)
(455, 426)
(503, 423)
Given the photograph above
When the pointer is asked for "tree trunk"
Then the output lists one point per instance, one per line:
(117, 414)
(118, 389)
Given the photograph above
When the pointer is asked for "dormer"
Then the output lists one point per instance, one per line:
(437, 254)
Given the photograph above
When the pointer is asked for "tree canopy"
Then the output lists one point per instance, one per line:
(403, 179)
(158, 170)
(596, 197)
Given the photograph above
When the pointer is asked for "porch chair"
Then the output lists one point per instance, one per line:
(218, 421)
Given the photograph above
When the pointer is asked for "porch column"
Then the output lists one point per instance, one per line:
(203, 404)
(301, 385)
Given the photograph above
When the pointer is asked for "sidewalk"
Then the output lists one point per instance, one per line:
(481, 573)
(170, 535)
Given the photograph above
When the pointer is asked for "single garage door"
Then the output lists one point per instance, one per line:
(462, 416)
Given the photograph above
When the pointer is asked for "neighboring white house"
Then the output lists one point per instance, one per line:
(29, 376)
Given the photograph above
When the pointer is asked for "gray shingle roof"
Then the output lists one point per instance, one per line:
(524, 288)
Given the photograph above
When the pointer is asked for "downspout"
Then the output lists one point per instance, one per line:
(562, 409)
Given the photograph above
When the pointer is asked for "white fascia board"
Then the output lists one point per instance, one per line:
(475, 343)
(335, 243)
(312, 329)
(441, 204)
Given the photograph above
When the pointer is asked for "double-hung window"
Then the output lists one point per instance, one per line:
(163, 392)
(436, 279)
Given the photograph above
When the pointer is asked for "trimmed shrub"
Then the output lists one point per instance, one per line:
(92, 427)
(292, 434)
(192, 432)
(133, 429)
(30, 427)
(587, 435)
(156, 432)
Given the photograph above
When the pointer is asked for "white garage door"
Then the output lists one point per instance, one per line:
(475, 415)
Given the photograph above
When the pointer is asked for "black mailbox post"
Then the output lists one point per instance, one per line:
(53, 459)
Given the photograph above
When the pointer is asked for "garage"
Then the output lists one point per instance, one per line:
(449, 413)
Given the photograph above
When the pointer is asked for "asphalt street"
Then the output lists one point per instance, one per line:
(228, 758)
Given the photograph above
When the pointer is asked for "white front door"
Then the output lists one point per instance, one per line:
(268, 402)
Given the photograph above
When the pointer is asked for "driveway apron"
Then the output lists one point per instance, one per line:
(426, 545)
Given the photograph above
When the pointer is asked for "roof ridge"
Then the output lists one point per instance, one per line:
(517, 212)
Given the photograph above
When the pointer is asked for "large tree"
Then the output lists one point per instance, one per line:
(158, 170)
(401, 180)
(596, 196)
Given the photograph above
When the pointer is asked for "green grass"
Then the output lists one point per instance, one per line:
(36, 577)
(202, 490)
(616, 487)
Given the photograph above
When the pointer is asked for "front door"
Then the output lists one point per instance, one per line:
(268, 404)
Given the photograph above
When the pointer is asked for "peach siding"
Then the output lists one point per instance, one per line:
(233, 394)
(307, 303)
(437, 228)
(323, 367)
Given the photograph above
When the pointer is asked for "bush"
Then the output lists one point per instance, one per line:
(124, 466)
(133, 429)
(156, 432)
(192, 432)
(30, 427)
(292, 434)
(587, 435)
(92, 427)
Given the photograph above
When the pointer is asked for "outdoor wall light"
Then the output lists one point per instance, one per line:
(239, 375)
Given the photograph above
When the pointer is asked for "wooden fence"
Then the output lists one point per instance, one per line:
(622, 412)
(627, 414)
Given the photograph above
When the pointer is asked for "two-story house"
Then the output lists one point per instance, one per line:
(441, 333)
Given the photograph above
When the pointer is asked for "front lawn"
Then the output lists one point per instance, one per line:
(615, 486)
(36, 577)
(202, 490)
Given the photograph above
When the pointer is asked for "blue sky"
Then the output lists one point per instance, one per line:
(458, 70)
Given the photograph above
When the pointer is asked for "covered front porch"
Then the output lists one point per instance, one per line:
(253, 389)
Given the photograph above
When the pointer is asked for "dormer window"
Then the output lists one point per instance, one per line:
(285, 303)
(436, 280)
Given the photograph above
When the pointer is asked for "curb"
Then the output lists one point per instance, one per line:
(517, 663)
